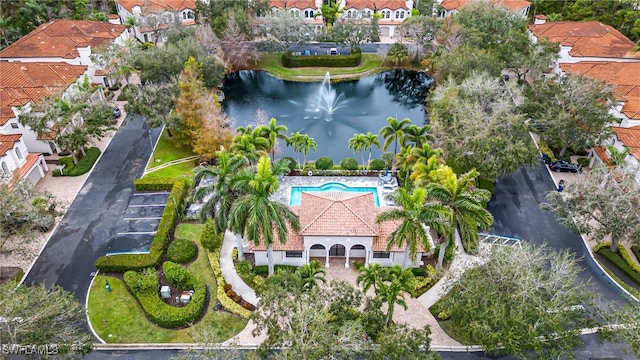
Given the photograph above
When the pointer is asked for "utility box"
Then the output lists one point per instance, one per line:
(165, 292)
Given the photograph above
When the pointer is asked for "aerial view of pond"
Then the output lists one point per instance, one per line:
(329, 113)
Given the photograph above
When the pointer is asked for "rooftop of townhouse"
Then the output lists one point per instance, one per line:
(22, 83)
(349, 4)
(624, 76)
(630, 137)
(7, 142)
(62, 38)
(157, 6)
(513, 5)
(586, 38)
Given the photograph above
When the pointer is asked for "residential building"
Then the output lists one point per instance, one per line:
(392, 12)
(584, 41)
(446, 8)
(17, 163)
(154, 16)
(623, 137)
(23, 84)
(336, 225)
(66, 41)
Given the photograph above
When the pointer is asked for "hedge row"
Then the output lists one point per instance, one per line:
(84, 164)
(162, 313)
(228, 303)
(161, 184)
(264, 269)
(124, 262)
(290, 60)
(619, 260)
(636, 251)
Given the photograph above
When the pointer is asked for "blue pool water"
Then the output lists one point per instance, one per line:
(296, 191)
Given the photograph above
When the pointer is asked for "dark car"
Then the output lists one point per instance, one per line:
(116, 112)
(565, 166)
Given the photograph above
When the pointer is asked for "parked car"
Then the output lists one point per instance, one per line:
(306, 53)
(565, 166)
(116, 112)
(333, 51)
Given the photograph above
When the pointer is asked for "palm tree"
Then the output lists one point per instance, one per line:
(218, 207)
(302, 143)
(272, 132)
(397, 281)
(415, 215)
(394, 132)
(370, 276)
(466, 206)
(617, 158)
(424, 172)
(357, 143)
(310, 275)
(253, 214)
(131, 23)
(330, 13)
(418, 136)
(249, 145)
(370, 141)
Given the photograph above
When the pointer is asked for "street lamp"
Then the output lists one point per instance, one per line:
(151, 143)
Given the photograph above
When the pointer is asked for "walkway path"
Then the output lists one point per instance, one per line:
(229, 270)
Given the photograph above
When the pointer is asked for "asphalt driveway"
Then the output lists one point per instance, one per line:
(91, 223)
(516, 210)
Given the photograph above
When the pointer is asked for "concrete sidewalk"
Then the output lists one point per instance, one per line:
(229, 270)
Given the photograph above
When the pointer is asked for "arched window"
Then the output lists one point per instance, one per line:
(306, 13)
(388, 15)
(401, 14)
(19, 153)
(146, 38)
(184, 16)
(397, 14)
(5, 168)
(368, 13)
(190, 14)
(311, 13)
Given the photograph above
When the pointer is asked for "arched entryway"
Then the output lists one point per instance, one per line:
(337, 250)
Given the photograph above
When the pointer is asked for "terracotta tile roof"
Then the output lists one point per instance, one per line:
(157, 6)
(7, 142)
(386, 228)
(630, 137)
(376, 4)
(624, 76)
(61, 38)
(289, 4)
(601, 151)
(337, 214)
(586, 38)
(21, 172)
(513, 5)
(295, 242)
(22, 83)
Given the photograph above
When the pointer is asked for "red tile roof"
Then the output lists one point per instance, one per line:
(289, 4)
(513, 5)
(7, 142)
(350, 4)
(586, 38)
(630, 137)
(601, 151)
(157, 6)
(62, 38)
(22, 171)
(624, 76)
(22, 83)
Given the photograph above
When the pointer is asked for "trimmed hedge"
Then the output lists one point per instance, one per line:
(619, 261)
(349, 163)
(264, 269)
(324, 163)
(486, 184)
(181, 251)
(377, 164)
(84, 164)
(291, 162)
(161, 184)
(290, 60)
(636, 251)
(162, 313)
(210, 238)
(229, 304)
(121, 263)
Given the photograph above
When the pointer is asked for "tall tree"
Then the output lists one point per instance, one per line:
(391, 290)
(354, 32)
(476, 125)
(156, 103)
(311, 274)
(370, 140)
(417, 135)
(602, 204)
(570, 111)
(357, 143)
(273, 132)
(421, 31)
(466, 204)
(415, 216)
(370, 276)
(257, 217)
(330, 12)
(398, 53)
(492, 303)
(50, 319)
(189, 105)
(394, 133)
(301, 143)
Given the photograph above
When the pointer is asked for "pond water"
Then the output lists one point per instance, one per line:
(329, 113)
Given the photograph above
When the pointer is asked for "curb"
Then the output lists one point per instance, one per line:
(86, 310)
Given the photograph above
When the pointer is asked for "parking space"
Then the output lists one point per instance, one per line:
(139, 223)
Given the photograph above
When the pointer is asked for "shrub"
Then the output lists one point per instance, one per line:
(123, 262)
(230, 305)
(358, 265)
(243, 268)
(584, 162)
(290, 60)
(227, 287)
(210, 238)
(377, 164)
(161, 184)
(618, 261)
(636, 251)
(486, 184)
(234, 254)
(162, 313)
(258, 281)
(349, 163)
(146, 281)
(237, 299)
(181, 251)
(248, 306)
(291, 162)
(419, 271)
(230, 293)
(324, 163)
(601, 245)
(114, 87)
(425, 281)
(439, 312)
(624, 254)
(544, 148)
(261, 270)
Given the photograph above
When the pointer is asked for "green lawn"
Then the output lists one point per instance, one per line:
(371, 63)
(174, 171)
(165, 151)
(126, 320)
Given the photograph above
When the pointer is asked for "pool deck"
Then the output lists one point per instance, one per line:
(284, 192)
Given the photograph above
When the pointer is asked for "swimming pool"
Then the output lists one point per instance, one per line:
(296, 191)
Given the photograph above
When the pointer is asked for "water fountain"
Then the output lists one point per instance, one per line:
(328, 100)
